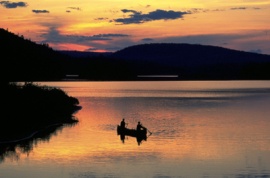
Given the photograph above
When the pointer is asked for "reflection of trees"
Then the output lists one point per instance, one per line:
(13, 150)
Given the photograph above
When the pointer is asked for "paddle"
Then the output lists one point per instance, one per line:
(149, 131)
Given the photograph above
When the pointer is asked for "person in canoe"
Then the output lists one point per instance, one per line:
(123, 123)
(140, 127)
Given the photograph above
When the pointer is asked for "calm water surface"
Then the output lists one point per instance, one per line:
(199, 129)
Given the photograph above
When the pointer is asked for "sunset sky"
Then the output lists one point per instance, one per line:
(111, 25)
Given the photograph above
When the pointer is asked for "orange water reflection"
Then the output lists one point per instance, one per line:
(205, 132)
(178, 133)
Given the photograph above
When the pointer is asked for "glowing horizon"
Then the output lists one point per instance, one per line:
(113, 25)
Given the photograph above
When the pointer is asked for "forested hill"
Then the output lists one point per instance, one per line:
(25, 60)
(193, 61)
(188, 54)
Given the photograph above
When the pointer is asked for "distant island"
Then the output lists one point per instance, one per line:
(28, 61)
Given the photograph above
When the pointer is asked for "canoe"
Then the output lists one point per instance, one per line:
(132, 132)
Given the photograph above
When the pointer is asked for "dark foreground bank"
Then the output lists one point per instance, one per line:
(28, 108)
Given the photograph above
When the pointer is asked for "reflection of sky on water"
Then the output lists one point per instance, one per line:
(193, 137)
(189, 89)
(201, 132)
(189, 94)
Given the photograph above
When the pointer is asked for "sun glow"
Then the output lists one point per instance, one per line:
(155, 21)
(69, 46)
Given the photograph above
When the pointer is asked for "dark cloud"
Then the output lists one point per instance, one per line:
(101, 18)
(238, 8)
(75, 8)
(55, 37)
(138, 17)
(147, 39)
(9, 5)
(98, 37)
(218, 10)
(110, 35)
(40, 11)
(82, 38)
(132, 11)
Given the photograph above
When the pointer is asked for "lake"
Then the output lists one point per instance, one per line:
(195, 129)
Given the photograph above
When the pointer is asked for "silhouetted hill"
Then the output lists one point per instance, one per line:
(191, 61)
(24, 60)
(187, 54)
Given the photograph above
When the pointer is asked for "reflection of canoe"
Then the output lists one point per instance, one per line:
(132, 132)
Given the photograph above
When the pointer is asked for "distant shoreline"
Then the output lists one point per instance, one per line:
(162, 79)
(157, 76)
